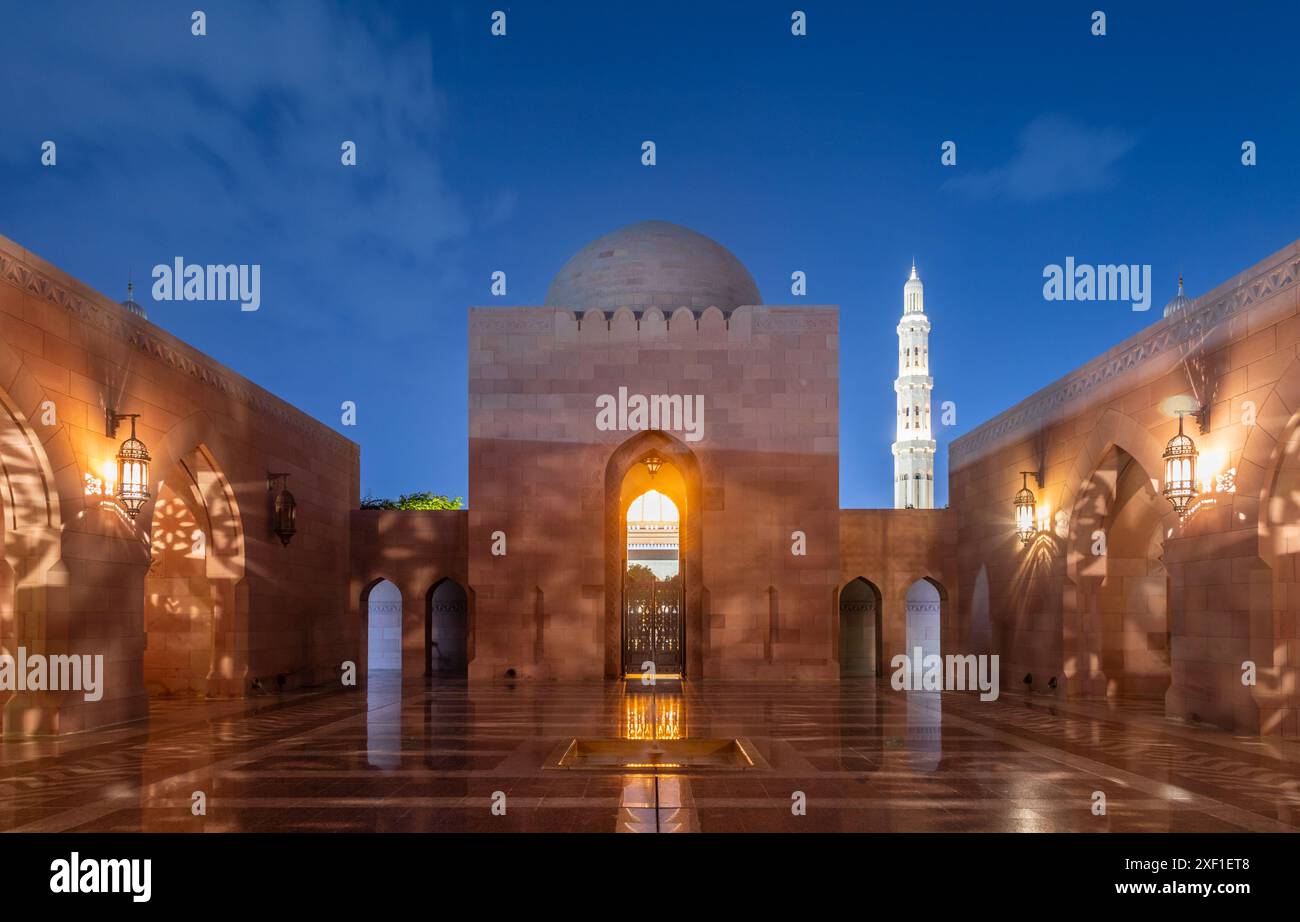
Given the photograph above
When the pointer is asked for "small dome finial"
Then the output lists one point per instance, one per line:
(130, 303)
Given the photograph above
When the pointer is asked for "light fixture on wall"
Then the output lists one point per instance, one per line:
(284, 509)
(132, 464)
(1180, 470)
(653, 462)
(1026, 513)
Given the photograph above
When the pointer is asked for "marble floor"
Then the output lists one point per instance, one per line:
(438, 755)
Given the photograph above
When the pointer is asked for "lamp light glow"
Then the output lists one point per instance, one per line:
(1180, 470)
(1026, 516)
(132, 465)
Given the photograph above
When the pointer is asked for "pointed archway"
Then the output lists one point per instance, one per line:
(626, 478)
(861, 637)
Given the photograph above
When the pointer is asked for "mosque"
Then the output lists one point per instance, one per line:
(654, 486)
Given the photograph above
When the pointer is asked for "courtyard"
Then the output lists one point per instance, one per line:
(424, 755)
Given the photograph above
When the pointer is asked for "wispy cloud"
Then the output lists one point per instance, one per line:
(227, 147)
(1055, 157)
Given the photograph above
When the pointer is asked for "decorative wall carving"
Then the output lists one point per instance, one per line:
(111, 320)
(1170, 333)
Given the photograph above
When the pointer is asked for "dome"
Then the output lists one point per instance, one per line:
(1180, 302)
(653, 263)
(132, 305)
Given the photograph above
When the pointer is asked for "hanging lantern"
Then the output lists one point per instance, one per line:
(1026, 513)
(284, 509)
(132, 466)
(653, 462)
(1180, 470)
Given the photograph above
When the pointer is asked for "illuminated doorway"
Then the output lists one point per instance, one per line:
(652, 586)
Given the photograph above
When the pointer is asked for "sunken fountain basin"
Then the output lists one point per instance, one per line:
(685, 755)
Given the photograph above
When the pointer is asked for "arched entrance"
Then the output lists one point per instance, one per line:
(860, 634)
(924, 619)
(653, 630)
(446, 630)
(653, 462)
(383, 628)
(1123, 633)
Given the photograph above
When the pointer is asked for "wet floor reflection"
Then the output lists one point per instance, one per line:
(429, 755)
(384, 718)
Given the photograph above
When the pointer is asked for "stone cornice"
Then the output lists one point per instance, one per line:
(1282, 271)
(36, 277)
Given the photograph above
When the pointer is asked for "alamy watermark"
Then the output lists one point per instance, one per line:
(38, 672)
(1084, 282)
(932, 672)
(234, 282)
(639, 412)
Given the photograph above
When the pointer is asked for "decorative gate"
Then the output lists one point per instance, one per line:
(652, 622)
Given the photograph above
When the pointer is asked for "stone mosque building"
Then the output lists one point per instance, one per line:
(654, 484)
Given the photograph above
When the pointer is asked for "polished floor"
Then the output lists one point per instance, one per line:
(443, 756)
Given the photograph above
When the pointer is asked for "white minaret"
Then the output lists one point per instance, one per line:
(914, 448)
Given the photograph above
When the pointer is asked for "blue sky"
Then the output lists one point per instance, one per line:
(477, 153)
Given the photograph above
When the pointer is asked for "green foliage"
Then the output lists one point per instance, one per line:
(425, 500)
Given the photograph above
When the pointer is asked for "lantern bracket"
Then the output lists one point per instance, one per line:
(1037, 475)
(1202, 415)
(112, 419)
(274, 479)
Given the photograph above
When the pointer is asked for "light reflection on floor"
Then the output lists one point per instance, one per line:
(429, 755)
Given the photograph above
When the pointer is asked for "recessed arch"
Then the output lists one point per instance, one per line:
(382, 604)
(195, 612)
(924, 606)
(624, 476)
(1116, 629)
(861, 634)
(446, 629)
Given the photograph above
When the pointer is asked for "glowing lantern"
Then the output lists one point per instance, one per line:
(1026, 517)
(132, 466)
(1180, 470)
(653, 462)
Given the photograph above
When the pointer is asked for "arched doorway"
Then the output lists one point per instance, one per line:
(654, 460)
(383, 628)
(1123, 588)
(924, 619)
(446, 630)
(860, 634)
(653, 628)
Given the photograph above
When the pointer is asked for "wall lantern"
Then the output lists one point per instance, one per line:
(284, 510)
(653, 462)
(132, 464)
(1180, 470)
(1026, 513)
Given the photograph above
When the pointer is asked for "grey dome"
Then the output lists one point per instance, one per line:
(653, 263)
(1180, 303)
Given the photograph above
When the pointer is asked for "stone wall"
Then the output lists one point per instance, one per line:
(73, 579)
(1058, 607)
(415, 551)
(544, 475)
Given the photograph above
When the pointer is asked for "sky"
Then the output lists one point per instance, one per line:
(477, 153)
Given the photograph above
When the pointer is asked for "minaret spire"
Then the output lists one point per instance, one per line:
(914, 446)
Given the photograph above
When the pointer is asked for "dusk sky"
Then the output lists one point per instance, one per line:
(476, 153)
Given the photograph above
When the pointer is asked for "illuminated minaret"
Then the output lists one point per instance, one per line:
(914, 448)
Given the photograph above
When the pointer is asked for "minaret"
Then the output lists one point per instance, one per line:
(914, 448)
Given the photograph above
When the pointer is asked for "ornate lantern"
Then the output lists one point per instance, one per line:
(653, 462)
(284, 509)
(1180, 470)
(132, 465)
(1026, 511)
